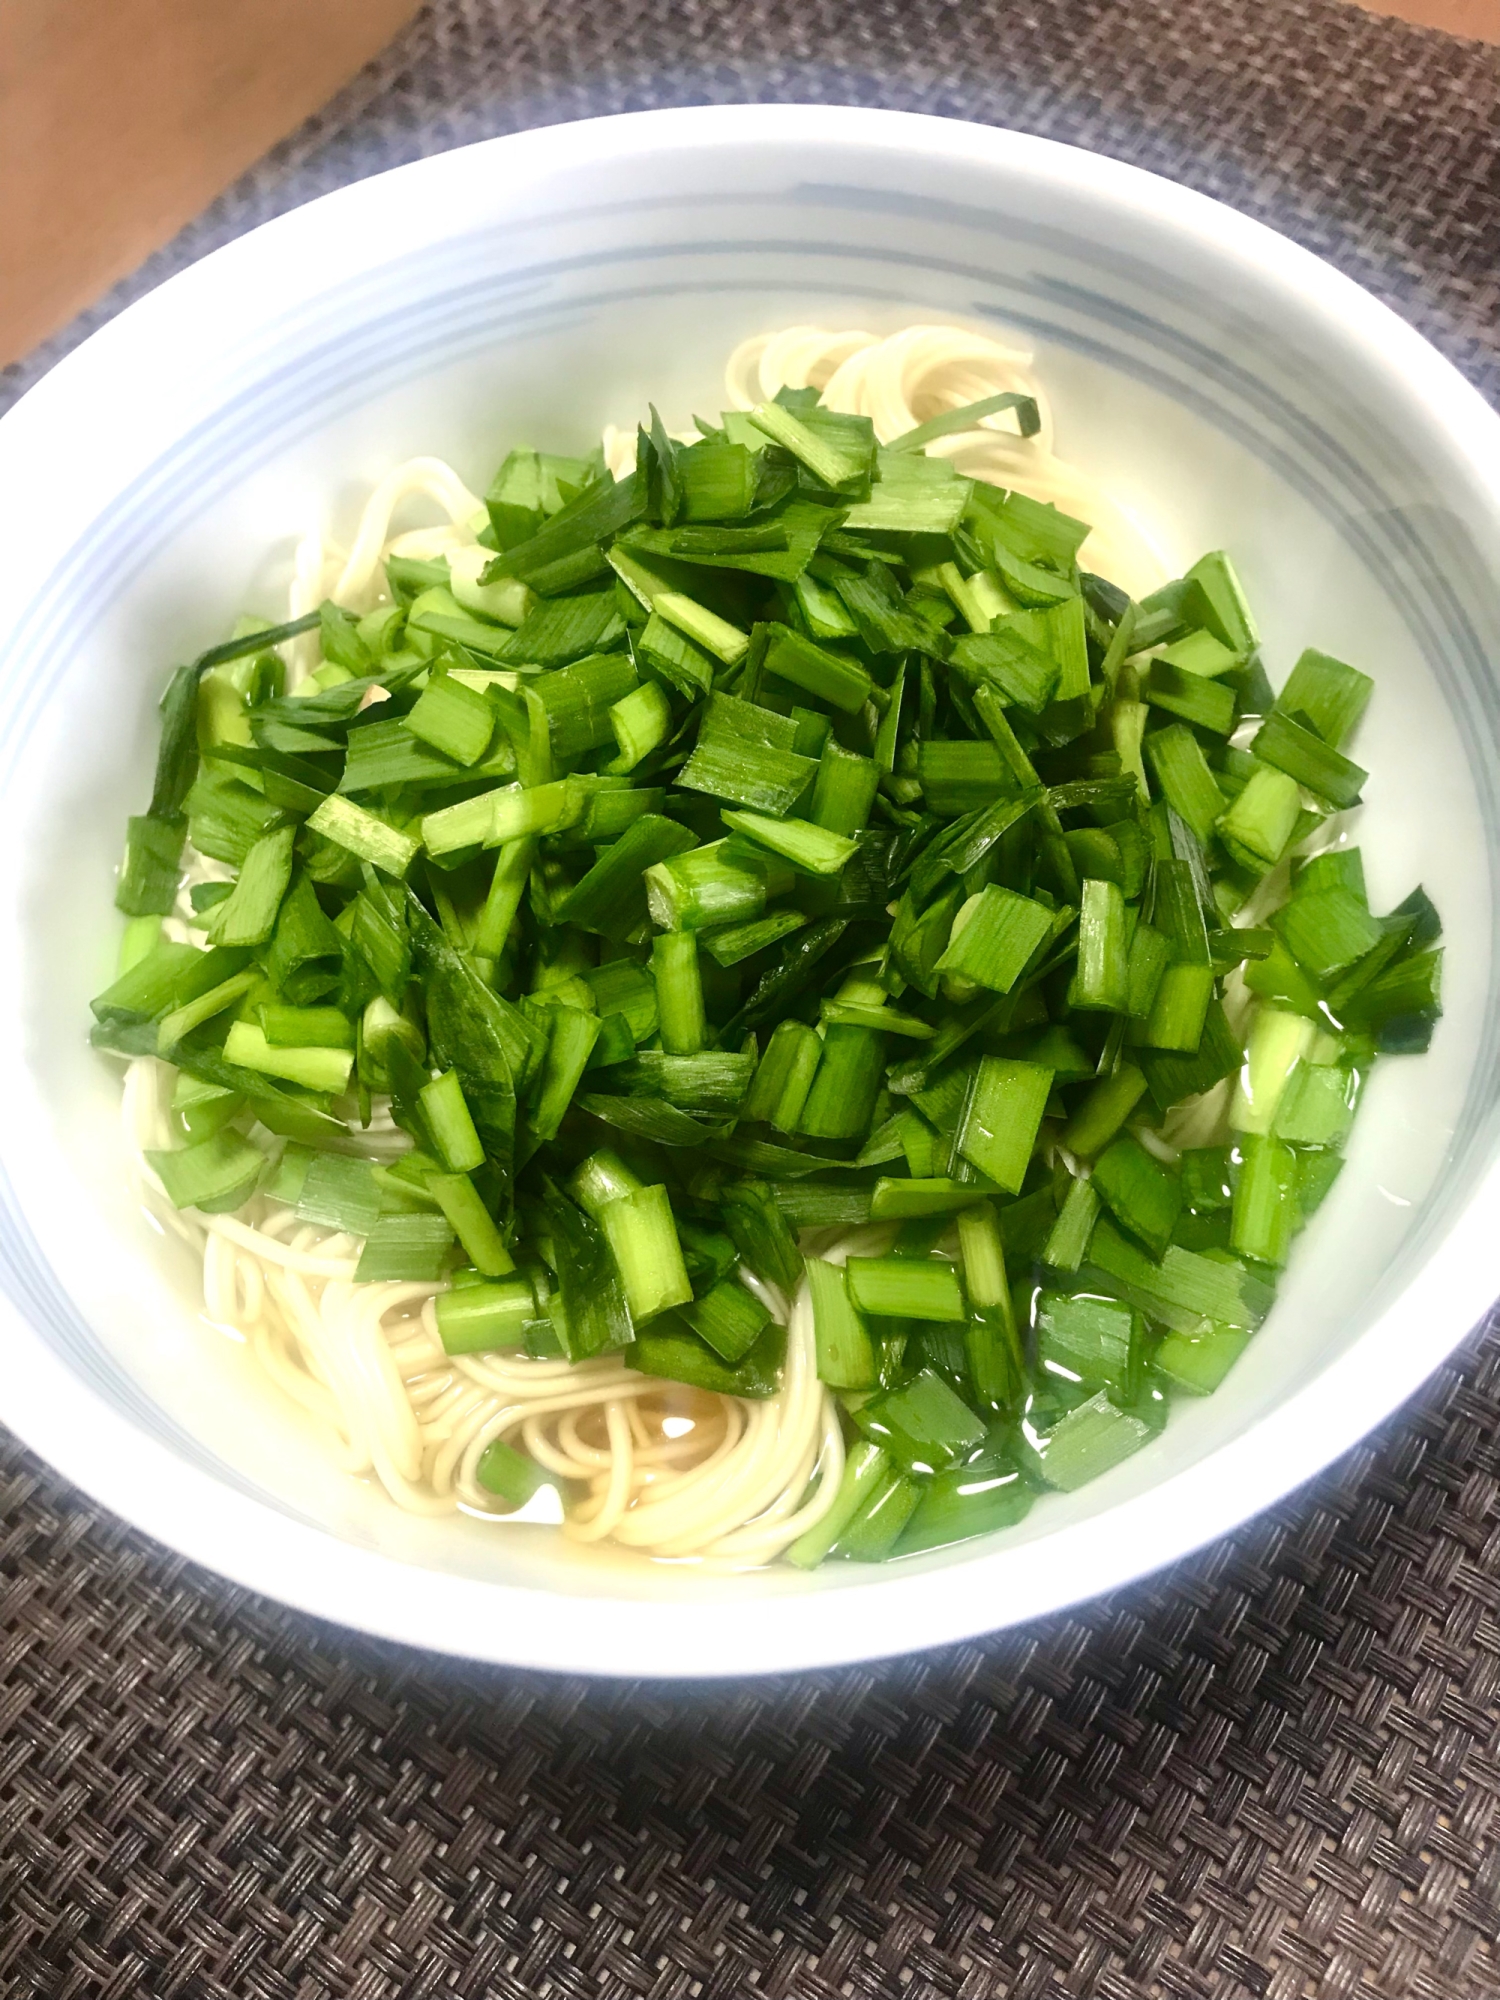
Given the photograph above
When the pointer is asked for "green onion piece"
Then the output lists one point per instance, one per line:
(314, 1068)
(923, 1426)
(810, 849)
(878, 1524)
(1149, 956)
(1198, 1363)
(406, 1249)
(810, 1204)
(571, 1043)
(1003, 666)
(1278, 1041)
(673, 655)
(471, 1222)
(1316, 1174)
(1317, 1106)
(1170, 1077)
(838, 460)
(339, 1193)
(886, 1020)
(1001, 1116)
(992, 1342)
(306, 952)
(959, 777)
(1101, 1114)
(152, 864)
(199, 1110)
(978, 1498)
(845, 1350)
(867, 1471)
(1220, 598)
(1139, 1191)
(1068, 1242)
(731, 943)
(450, 1125)
(1208, 704)
(1327, 694)
(844, 790)
(967, 417)
(890, 723)
(679, 992)
(713, 885)
(1182, 1290)
(248, 915)
(508, 814)
(306, 1027)
(1409, 990)
(829, 677)
(1306, 758)
(695, 621)
(669, 1349)
(718, 481)
(889, 1141)
(1178, 913)
(1095, 1341)
(841, 1102)
(820, 607)
(611, 897)
(904, 1288)
(761, 1234)
(1180, 1008)
(995, 936)
(1201, 653)
(1091, 1439)
(138, 940)
(602, 1178)
(435, 615)
(729, 1317)
(1326, 930)
(1102, 978)
(1266, 1213)
(453, 719)
(364, 834)
(983, 1252)
(381, 1025)
(1181, 770)
(509, 1474)
(215, 1177)
(714, 1080)
(761, 776)
(813, 731)
(896, 1200)
(774, 1069)
(641, 721)
(1263, 818)
(193, 1013)
(149, 986)
(642, 1235)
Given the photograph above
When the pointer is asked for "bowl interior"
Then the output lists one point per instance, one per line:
(531, 291)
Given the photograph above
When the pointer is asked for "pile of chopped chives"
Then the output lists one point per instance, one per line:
(787, 837)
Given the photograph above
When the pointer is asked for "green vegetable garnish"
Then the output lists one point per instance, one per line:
(788, 836)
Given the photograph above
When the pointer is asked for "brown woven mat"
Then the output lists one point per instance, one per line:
(1273, 1771)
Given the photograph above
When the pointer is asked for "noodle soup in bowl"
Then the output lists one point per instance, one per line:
(1214, 387)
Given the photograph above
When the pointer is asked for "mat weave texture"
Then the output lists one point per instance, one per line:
(1272, 1771)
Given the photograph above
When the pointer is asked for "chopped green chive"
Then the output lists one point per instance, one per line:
(801, 811)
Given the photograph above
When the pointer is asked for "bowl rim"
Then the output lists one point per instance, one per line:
(184, 1507)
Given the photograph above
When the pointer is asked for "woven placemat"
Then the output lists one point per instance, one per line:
(1272, 1771)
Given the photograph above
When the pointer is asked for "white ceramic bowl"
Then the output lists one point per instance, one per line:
(1233, 389)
